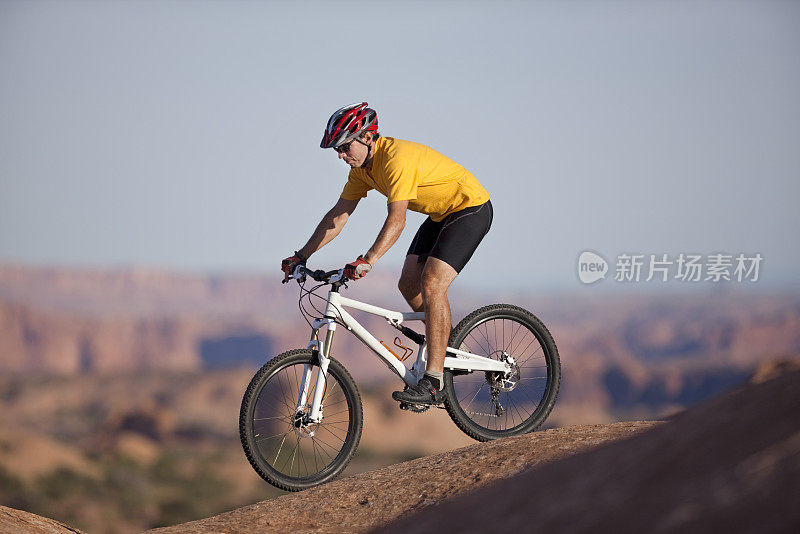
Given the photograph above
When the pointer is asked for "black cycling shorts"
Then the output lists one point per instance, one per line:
(454, 238)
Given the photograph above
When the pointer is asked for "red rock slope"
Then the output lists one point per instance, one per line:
(730, 465)
(361, 502)
(19, 522)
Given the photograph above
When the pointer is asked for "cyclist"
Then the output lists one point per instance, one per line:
(413, 177)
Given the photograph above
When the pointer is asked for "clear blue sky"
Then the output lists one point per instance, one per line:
(186, 134)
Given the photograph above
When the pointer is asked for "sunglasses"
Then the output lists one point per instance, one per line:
(343, 147)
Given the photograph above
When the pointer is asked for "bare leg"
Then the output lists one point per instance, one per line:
(437, 276)
(410, 283)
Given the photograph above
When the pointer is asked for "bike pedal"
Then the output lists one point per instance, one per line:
(415, 408)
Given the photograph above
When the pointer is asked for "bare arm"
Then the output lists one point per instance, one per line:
(330, 226)
(392, 228)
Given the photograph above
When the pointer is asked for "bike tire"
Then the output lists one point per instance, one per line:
(268, 407)
(530, 401)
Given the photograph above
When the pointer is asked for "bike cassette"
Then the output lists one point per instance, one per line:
(504, 382)
(416, 408)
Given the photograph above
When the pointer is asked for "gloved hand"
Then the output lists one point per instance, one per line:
(357, 269)
(289, 264)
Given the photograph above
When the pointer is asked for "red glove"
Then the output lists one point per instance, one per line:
(357, 269)
(289, 264)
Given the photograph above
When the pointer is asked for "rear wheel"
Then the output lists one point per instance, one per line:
(284, 447)
(489, 405)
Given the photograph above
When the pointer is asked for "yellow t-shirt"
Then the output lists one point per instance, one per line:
(432, 183)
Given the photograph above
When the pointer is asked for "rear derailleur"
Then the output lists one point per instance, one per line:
(498, 408)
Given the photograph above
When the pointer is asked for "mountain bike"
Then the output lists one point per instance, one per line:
(301, 416)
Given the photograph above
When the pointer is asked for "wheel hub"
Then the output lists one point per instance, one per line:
(504, 381)
(302, 425)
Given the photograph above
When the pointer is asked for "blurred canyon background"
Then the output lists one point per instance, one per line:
(120, 388)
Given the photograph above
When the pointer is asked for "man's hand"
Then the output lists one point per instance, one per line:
(289, 264)
(357, 269)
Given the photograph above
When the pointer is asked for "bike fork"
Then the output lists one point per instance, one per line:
(323, 351)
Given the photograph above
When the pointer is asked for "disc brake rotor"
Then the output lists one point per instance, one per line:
(501, 381)
(303, 426)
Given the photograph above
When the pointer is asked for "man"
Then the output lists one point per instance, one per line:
(411, 176)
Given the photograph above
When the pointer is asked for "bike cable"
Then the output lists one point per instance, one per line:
(308, 294)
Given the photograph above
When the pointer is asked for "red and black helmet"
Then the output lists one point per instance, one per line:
(348, 123)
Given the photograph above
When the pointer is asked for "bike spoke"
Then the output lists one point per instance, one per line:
(479, 343)
(534, 352)
(473, 397)
(326, 429)
(308, 449)
(513, 336)
(526, 348)
(494, 324)
(333, 387)
(265, 418)
(281, 447)
(508, 405)
(535, 402)
(486, 337)
(275, 436)
(294, 451)
(303, 460)
(513, 406)
(314, 447)
(282, 398)
(331, 447)
(492, 338)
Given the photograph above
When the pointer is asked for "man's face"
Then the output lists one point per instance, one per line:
(356, 153)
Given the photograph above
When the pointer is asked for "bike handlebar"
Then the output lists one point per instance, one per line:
(329, 277)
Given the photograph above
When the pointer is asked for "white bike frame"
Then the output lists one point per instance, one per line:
(334, 312)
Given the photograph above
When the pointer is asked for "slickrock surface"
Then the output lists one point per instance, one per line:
(19, 522)
(730, 465)
(367, 500)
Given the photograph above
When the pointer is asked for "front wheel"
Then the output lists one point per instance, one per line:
(284, 447)
(487, 405)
